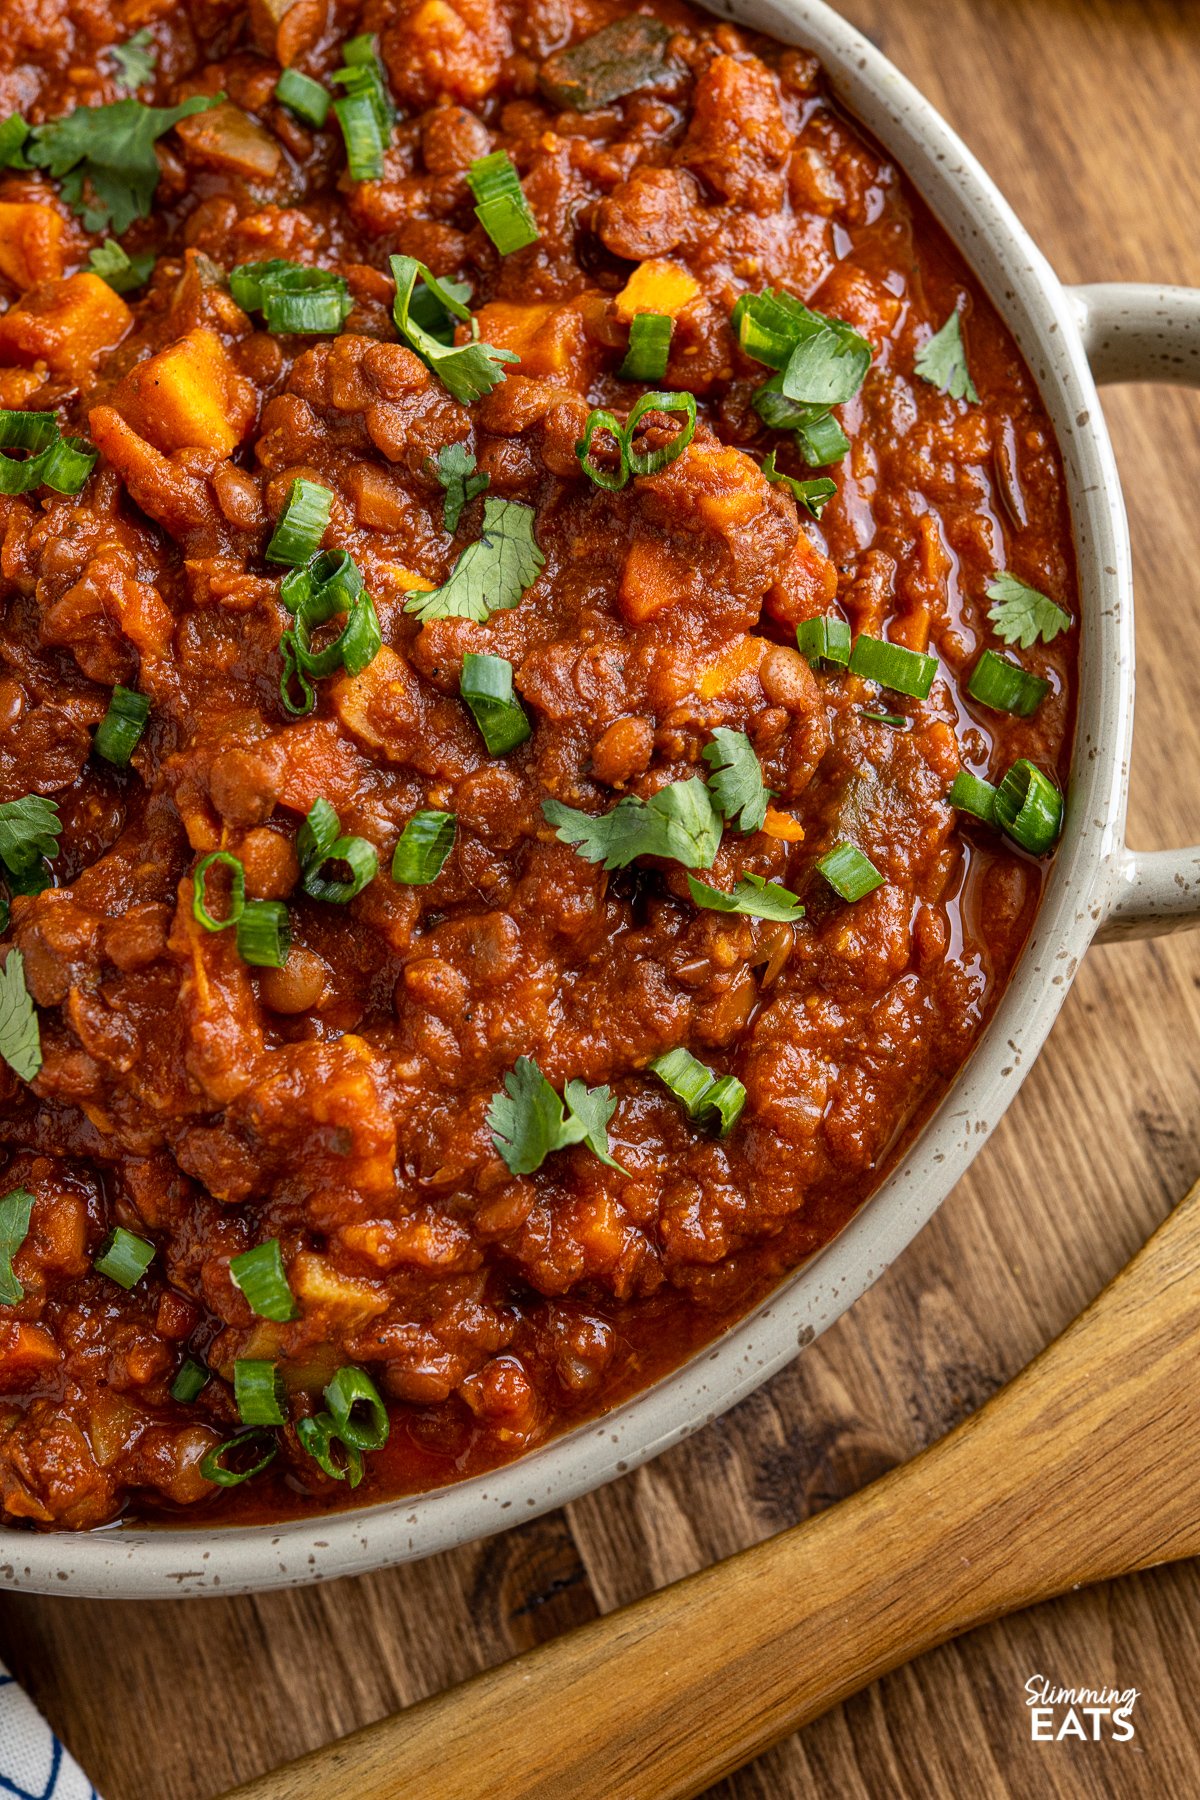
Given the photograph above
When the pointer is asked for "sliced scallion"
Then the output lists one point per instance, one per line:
(303, 96)
(302, 524)
(319, 842)
(650, 462)
(365, 112)
(649, 347)
(486, 684)
(358, 1410)
(849, 873)
(1004, 686)
(259, 1393)
(190, 1382)
(707, 1098)
(292, 297)
(893, 666)
(261, 1276)
(214, 1466)
(120, 730)
(237, 890)
(264, 934)
(970, 794)
(425, 843)
(319, 1435)
(123, 1257)
(1029, 808)
(609, 479)
(824, 639)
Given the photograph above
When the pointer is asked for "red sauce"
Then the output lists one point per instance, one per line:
(340, 1104)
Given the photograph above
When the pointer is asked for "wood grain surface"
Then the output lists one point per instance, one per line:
(1084, 110)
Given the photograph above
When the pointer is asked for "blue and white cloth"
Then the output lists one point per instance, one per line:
(33, 1764)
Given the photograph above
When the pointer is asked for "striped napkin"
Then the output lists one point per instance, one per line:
(33, 1764)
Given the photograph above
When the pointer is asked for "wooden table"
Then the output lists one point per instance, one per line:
(1084, 111)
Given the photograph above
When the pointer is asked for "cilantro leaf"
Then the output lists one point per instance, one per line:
(492, 574)
(753, 895)
(528, 1120)
(593, 1108)
(811, 495)
(136, 60)
(469, 371)
(112, 149)
(942, 362)
(16, 1209)
(736, 779)
(679, 822)
(1021, 615)
(29, 830)
(122, 272)
(455, 469)
(20, 1039)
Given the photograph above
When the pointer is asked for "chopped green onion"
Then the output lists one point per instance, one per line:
(61, 463)
(302, 524)
(237, 890)
(318, 842)
(123, 1257)
(212, 1466)
(329, 585)
(893, 666)
(264, 934)
(501, 206)
(16, 1210)
(486, 684)
(824, 639)
(304, 97)
(365, 112)
(649, 462)
(599, 420)
(259, 1392)
(649, 347)
(1004, 686)
(293, 673)
(849, 873)
(190, 1381)
(972, 795)
(896, 720)
(318, 1435)
(349, 1395)
(120, 729)
(425, 843)
(701, 1092)
(260, 1274)
(291, 296)
(821, 440)
(1029, 808)
(811, 495)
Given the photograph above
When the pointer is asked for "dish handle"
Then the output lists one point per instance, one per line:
(1133, 332)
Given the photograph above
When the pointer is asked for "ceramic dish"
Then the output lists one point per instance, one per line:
(1097, 888)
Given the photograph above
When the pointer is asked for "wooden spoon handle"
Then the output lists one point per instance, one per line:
(1085, 1466)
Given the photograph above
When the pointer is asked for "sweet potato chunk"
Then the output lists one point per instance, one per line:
(31, 243)
(549, 340)
(189, 396)
(659, 286)
(66, 325)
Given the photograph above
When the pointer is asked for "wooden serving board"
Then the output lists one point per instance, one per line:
(1081, 109)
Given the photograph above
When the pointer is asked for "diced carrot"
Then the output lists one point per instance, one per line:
(188, 396)
(64, 324)
(782, 825)
(656, 286)
(31, 243)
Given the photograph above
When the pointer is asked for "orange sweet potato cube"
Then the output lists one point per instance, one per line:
(188, 396)
(64, 324)
(31, 243)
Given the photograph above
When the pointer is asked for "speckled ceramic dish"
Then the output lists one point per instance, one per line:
(1071, 339)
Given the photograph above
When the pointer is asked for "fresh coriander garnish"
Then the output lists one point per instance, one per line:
(821, 360)
(528, 1120)
(469, 371)
(752, 895)
(111, 150)
(136, 60)
(29, 830)
(811, 495)
(1021, 614)
(736, 779)
(455, 469)
(681, 822)
(492, 574)
(16, 1210)
(942, 362)
(20, 1039)
(122, 272)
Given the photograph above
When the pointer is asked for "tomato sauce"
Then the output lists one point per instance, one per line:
(340, 1103)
